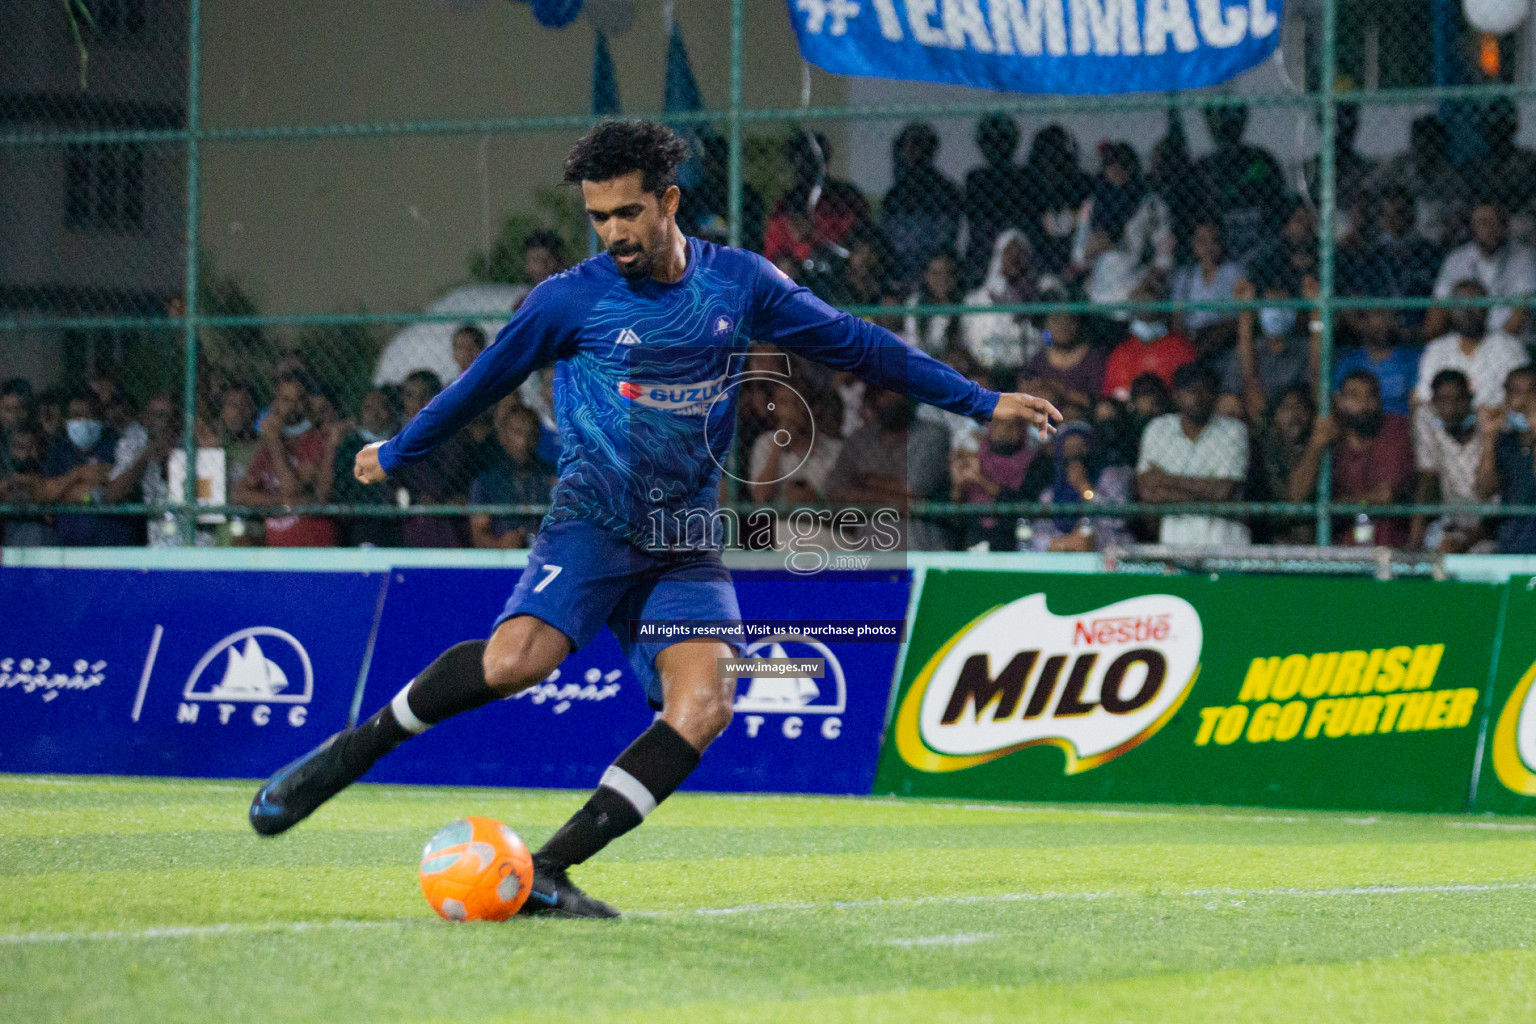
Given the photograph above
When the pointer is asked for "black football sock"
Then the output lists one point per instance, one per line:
(454, 683)
(643, 776)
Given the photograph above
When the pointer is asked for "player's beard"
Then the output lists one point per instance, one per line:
(639, 268)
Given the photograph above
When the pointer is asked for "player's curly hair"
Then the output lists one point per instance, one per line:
(615, 148)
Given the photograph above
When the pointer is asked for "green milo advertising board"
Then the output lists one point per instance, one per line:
(1283, 691)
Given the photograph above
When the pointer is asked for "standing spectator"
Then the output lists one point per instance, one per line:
(21, 479)
(1150, 348)
(442, 478)
(995, 469)
(235, 432)
(1447, 449)
(1379, 350)
(893, 460)
(818, 208)
(1485, 356)
(1351, 170)
(1124, 230)
(1413, 259)
(513, 476)
(15, 403)
(1003, 341)
(1279, 447)
(1081, 474)
(50, 415)
(468, 343)
(1068, 361)
(705, 208)
(1437, 189)
(994, 192)
(940, 286)
(287, 469)
(1211, 278)
(921, 213)
(1506, 270)
(1508, 464)
(76, 468)
(1284, 352)
(1372, 460)
(1506, 172)
(1057, 188)
(377, 420)
(1194, 455)
(1247, 184)
(1172, 173)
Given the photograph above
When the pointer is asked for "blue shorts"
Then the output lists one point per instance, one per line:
(581, 577)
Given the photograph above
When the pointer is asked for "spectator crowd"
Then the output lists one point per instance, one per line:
(1430, 403)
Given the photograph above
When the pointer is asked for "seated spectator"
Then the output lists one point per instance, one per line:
(994, 193)
(515, 476)
(50, 415)
(1360, 266)
(862, 279)
(235, 431)
(468, 343)
(1280, 443)
(15, 405)
(990, 468)
(1068, 361)
(1246, 182)
(1506, 269)
(1485, 355)
(1505, 171)
(1210, 278)
(1057, 189)
(893, 460)
(21, 479)
(1124, 230)
(839, 204)
(1372, 461)
(940, 286)
(1150, 348)
(76, 469)
(287, 470)
(1378, 348)
(1194, 455)
(1508, 467)
(1082, 474)
(1447, 449)
(139, 472)
(441, 478)
(1414, 259)
(789, 463)
(1285, 352)
(1435, 186)
(1003, 341)
(920, 215)
(377, 421)
(1292, 254)
(1118, 426)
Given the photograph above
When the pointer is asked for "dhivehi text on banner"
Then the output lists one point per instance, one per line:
(1083, 47)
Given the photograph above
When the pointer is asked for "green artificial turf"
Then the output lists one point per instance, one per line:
(151, 900)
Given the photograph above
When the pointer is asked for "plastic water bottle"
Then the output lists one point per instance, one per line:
(1365, 531)
(1023, 533)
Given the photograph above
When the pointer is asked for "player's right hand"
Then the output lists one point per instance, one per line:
(367, 468)
(1037, 412)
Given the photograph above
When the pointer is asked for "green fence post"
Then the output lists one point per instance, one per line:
(187, 521)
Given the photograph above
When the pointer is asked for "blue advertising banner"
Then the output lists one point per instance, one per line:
(176, 673)
(1091, 47)
(789, 735)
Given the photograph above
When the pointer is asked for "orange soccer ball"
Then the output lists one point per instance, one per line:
(476, 869)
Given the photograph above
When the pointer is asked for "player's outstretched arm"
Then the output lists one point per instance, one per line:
(1036, 412)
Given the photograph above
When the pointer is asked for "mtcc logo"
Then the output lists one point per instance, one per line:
(259, 666)
(793, 696)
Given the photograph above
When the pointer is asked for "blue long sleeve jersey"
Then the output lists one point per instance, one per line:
(645, 381)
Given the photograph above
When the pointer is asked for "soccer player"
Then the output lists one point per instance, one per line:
(643, 338)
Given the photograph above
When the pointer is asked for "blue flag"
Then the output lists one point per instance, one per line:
(1092, 47)
(682, 93)
(605, 85)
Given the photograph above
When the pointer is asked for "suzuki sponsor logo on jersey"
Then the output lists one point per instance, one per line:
(42, 677)
(1096, 685)
(793, 697)
(1514, 738)
(260, 666)
(680, 399)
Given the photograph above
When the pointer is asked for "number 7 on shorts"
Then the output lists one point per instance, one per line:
(553, 571)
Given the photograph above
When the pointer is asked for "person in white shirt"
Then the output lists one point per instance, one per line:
(1506, 269)
(1124, 230)
(1003, 340)
(1194, 455)
(1210, 278)
(1485, 357)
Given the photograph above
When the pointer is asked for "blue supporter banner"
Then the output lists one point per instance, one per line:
(1080, 47)
(176, 672)
(795, 735)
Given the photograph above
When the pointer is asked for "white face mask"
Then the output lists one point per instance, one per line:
(1148, 330)
(1275, 322)
(83, 434)
(301, 427)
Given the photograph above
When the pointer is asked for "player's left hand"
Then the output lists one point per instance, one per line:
(366, 468)
(1037, 412)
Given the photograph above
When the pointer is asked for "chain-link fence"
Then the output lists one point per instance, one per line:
(254, 239)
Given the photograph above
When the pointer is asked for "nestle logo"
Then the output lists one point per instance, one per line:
(1122, 630)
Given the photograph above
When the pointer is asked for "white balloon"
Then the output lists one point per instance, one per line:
(1495, 16)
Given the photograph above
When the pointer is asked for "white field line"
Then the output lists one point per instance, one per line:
(968, 939)
(295, 927)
